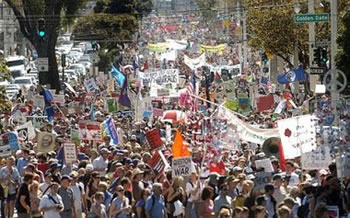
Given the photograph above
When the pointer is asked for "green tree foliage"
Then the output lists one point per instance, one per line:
(5, 74)
(343, 58)
(28, 12)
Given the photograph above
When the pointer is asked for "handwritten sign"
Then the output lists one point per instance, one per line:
(316, 160)
(266, 164)
(161, 78)
(182, 166)
(70, 152)
(154, 139)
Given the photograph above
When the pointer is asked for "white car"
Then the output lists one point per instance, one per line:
(10, 87)
(78, 68)
(11, 94)
(72, 75)
(24, 81)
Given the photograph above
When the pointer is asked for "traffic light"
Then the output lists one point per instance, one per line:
(41, 28)
(264, 58)
(317, 55)
(324, 56)
(94, 45)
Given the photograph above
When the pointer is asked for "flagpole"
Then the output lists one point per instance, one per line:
(218, 105)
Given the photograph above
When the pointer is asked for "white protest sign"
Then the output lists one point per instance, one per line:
(37, 121)
(265, 163)
(298, 135)
(161, 77)
(70, 152)
(26, 131)
(182, 166)
(100, 79)
(58, 99)
(38, 102)
(316, 160)
(19, 112)
(90, 85)
(5, 149)
(195, 63)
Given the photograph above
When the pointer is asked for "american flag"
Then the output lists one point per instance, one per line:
(190, 101)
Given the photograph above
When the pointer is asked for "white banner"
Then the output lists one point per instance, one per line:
(161, 77)
(182, 166)
(195, 63)
(298, 135)
(316, 160)
(245, 131)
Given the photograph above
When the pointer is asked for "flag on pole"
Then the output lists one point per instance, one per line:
(179, 149)
(50, 113)
(118, 76)
(296, 74)
(47, 96)
(108, 129)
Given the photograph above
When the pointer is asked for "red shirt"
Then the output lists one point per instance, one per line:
(43, 167)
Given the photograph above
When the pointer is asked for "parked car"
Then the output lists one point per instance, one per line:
(24, 81)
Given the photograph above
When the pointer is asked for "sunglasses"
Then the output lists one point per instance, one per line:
(120, 190)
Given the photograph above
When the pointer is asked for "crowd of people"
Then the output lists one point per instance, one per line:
(118, 180)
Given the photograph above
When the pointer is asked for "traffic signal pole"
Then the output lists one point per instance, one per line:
(334, 27)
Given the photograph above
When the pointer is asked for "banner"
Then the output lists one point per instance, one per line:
(245, 131)
(298, 135)
(213, 49)
(90, 85)
(46, 142)
(158, 47)
(89, 130)
(161, 77)
(26, 131)
(182, 166)
(70, 152)
(317, 159)
(158, 163)
(195, 63)
(154, 140)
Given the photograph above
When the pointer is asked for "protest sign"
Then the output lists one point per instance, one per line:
(38, 102)
(298, 135)
(195, 63)
(75, 136)
(12, 139)
(90, 85)
(100, 79)
(333, 211)
(266, 164)
(344, 160)
(46, 142)
(70, 152)
(317, 159)
(89, 130)
(154, 140)
(261, 179)
(182, 166)
(110, 85)
(37, 121)
(111, 105)
(158, 163)
(5, 150)
(19, 113)
(157, 112)
(163, 92)
(58, 99)
(144, 107)
(26, 131)
(126, 113)
(161, 77)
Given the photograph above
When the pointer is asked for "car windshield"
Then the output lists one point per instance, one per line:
(22, 81)
(15, 63)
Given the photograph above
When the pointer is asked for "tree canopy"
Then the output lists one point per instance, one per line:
(5, 74)
(343, 58)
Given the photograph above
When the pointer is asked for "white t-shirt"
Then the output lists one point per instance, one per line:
(294, 179)
(100, 163)
(47, 202)
(77, 192)
(43, 187)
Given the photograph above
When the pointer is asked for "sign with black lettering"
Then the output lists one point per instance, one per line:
(182, 166)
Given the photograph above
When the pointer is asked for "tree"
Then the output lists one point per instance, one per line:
(113, 23)
(5, 74)
(29, 12)
(343, 58)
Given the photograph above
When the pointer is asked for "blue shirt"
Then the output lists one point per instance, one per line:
(108, 199)
(21, 164)
(118, 205)
(156, 206)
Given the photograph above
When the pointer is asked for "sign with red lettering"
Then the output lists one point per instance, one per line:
(154, 140)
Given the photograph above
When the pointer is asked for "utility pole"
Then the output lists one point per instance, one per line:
(334, 46)
(311, 10)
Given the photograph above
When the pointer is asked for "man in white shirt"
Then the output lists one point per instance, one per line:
(44, 187)
(101, 163)
(79, 194)
(51, 204)
(293, 177)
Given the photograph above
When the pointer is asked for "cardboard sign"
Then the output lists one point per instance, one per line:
(70, 152)
(12, 140)
(26, 131)
(90, 85)
(89, 130)
(5, 150)
(154, 139)
(261, 179)
(316, 160)
(46, 142)
(158, 163)
(182, 166)
(266, 164)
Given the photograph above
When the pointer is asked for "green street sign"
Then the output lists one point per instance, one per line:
(311, 18)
